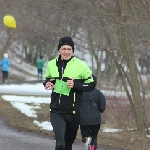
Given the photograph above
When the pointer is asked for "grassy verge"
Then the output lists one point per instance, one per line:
(21, 122)
(127, 140)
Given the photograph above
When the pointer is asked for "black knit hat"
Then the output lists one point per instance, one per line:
(66, 41)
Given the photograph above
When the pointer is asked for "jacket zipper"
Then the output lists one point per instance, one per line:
(61, 80)
(74, 100)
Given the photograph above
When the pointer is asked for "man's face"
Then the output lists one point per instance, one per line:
(66, 52)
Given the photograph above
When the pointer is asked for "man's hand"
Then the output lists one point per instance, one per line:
(49, 85)
(70, 83)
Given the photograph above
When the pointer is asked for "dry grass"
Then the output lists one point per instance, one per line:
(19, 121)
(115, 116)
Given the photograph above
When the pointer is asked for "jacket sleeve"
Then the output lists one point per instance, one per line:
(47, 75)
(45, 81)
(88, 82)
(85, 86)
(102, 100)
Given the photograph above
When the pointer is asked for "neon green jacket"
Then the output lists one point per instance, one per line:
(64, 99)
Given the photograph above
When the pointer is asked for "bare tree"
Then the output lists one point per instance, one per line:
(122, 19)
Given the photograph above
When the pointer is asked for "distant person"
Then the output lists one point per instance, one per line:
(67, 76)
(39, 65)
(142, 63)
(92, 105)
(5, 64)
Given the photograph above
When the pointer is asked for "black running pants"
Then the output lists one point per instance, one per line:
(65, 127)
